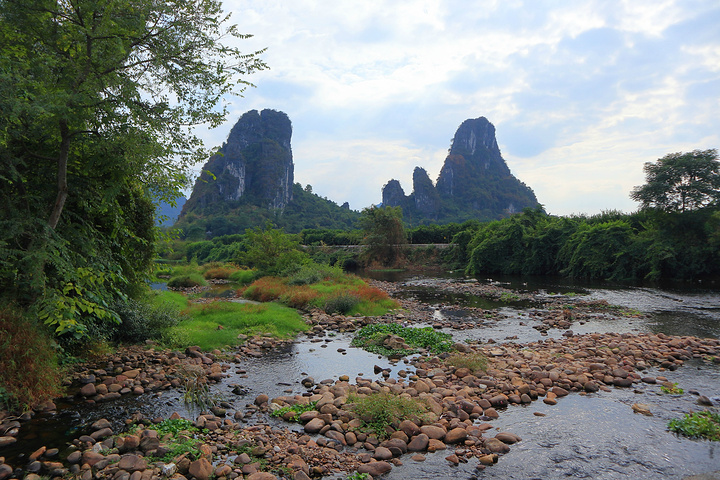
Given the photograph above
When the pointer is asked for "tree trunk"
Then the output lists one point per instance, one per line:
(62, 187)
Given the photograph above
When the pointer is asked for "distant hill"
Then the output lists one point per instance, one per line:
(251, 181)
(169, 212)
(474, 183)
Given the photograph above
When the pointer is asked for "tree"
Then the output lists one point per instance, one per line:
(681, 181)
(98, 100)
(384, 234)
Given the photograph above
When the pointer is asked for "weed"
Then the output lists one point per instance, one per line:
(297, 409)
(243, 277)
(358, 476)
(705, 424)
(187, 281)
(341, 303)
(509, 297)
(370, 338)
(196, 390)
(475, 362)
(174, 427)
(380, 412)
(674, 389)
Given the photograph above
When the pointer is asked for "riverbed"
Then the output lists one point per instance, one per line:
(594, 435)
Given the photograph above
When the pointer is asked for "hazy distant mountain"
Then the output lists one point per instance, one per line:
(474, 183)
(251, 180)
(169, 213)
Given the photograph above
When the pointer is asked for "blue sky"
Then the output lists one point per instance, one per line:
(581, 93)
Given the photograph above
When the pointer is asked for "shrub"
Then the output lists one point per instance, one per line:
(243, 277)
(341, 303)
(380, 412)
(143, 320)
(314, 273)
(29, 371)
(187, 281)
(220, 273)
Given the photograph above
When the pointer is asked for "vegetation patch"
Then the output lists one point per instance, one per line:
(29, 371)
(218, 324)
(672, 389)
(196, 390)
(373, 339)
(325, 288)
(475, 362)
(187, 281)
(383, 412)
(705, 424)
(296, 410)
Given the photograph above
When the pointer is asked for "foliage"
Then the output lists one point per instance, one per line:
(296, 410)
(370, 338)
(218, 324)
(705, 424)
(144, 319)
(187, 281)
(313, 273)
(475, 362)
(98, 102)
(173, 427)
(358, 476)
(270, 251)
(673, 390)
(384, 234)
(243, 277)
(341, 303)
(679, 182)
(649, 245)
(196, 390)
(380, 412)
(29, 371)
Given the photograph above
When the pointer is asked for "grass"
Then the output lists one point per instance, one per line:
(705, 424)
(371, 337)
(336, 293)
(176, 437)
(475, 362)
(296, 409)
(29, 370)
(187, 281)
(380, 412)
(218, 324)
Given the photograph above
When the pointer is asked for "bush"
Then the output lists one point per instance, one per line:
(187, 281)
(29, 371)
(142, 320)
(314, 273)
(341, 303)
(243, 277)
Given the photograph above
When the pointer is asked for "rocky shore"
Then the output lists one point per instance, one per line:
(331, 439)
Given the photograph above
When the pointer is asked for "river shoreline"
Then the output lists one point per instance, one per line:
(463, 403)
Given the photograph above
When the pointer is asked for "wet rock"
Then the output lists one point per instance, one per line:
(375, 468)
(132, 463)
(453, 459)
(456, 435)
(419, 443)
(433, 432)
(705, 401)
(382, 453)
(261, 399)
(496, 446)
(88, 390)
(261, 476)
(508, 438)
(642, 409)
(6, 471)
(5, 441)
(314, 425)
(74, 457)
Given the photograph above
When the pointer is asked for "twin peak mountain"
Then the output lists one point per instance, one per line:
(251, 180)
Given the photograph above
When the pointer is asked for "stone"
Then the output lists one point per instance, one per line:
(435, 445)
(409, 428)
(314, 425)
(433, 431)
(91, 458)
(88, 390)
(453, 459)
(507, 437)
(642, 408)
(496, 446)
(74, 457)
(100, 424)
(132, 463)
(6, 471)
(375, 468)
(491, 413)
(260, 399)
(100, 434)
(456, 435)
(418, 443)
(705, 401)
(261, 476)
(382, 453)
(201, 469)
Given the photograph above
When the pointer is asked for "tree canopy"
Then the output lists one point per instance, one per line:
(98, 99)
(679, 182)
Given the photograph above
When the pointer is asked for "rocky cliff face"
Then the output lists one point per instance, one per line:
(475, 182)
(255, 164)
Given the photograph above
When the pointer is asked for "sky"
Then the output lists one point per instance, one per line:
(581, 93)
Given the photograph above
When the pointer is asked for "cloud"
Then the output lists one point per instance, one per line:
(581, 94)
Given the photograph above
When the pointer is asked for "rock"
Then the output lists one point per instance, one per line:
(642, 409)
(507, 437)
(375, 468)
(260, 399)
(488, 459)
(453, 459)
(300, 475)
(435, 445)
(132, 463)
(91, 458)
(100, 434)
(409, 428)
(74, 457)
(100, 424)
(705, 401)
(6, 471)
(261, 476)
(496, 446)
(433, 432)
(88, 390)
(314, 425)
(5, 441)
(419, 443)
(169, 469)
(491, 413)
(201, 469)
(456, 435)
(382, 453)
